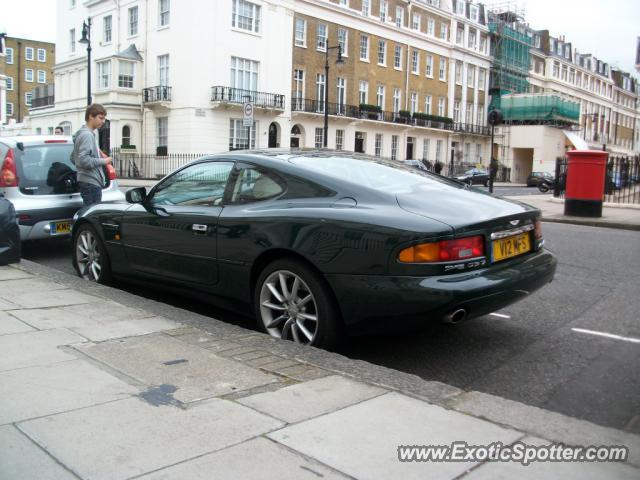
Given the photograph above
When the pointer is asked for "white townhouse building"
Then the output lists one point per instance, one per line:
(173, 74)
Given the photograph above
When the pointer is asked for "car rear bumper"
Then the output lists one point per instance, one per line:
(373, 304)
(36, 219)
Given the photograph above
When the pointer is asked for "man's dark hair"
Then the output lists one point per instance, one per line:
(59, 129)
(94, 110)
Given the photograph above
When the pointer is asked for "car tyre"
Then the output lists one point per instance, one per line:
(486, 182)
(90, 258)
(294, 302)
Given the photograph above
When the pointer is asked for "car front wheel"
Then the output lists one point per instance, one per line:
(293, 302)
(90, 256)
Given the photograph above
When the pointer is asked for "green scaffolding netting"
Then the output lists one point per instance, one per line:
(537, 107)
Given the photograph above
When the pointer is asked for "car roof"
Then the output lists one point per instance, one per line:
(281, 158)
(31, 140)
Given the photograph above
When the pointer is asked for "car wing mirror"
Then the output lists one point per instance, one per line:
(136, 195)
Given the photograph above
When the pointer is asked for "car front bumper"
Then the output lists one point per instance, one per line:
(374, 304)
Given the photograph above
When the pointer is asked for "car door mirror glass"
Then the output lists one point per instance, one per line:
(136, 195)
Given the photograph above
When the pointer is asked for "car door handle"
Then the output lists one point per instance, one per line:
(198, 228)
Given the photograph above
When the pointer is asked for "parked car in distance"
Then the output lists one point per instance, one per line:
(415, 163)
(535, 177)
(319, 244)
(475, 176)
(9, 233)
(37, 175)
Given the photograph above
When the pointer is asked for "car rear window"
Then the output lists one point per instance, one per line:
(39, 167)
(377, 174)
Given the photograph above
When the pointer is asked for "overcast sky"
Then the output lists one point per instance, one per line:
(608, 29)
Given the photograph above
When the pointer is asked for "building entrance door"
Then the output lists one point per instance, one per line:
(409, 148)
(359, 144)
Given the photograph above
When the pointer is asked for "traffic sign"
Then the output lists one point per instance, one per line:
(247, 120)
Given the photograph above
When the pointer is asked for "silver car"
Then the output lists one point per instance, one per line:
(36, 175)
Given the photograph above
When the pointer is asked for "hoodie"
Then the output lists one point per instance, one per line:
(87, 159)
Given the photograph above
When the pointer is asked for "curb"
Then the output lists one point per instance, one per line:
(630, 206)
(304, 363)
(592, 223)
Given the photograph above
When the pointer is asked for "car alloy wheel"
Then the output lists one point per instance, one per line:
(288, 307)
(90, 257)
(294, 302)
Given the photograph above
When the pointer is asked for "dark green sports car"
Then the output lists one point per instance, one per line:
(319, 244)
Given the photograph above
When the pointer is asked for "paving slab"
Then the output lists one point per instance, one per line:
(9, 273)
(7, 305)
(45, 390)
(249, 461)
(31, 349)
(552, 470)
(362, 440)
(97, 322)
(310, 399)
(21, 459)
(9, 325)
(129, 437)
(51, 298)
(33, 285)
(159, 359)
(74, 316)
(545, 423)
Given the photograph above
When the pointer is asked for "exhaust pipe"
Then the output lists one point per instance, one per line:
(455, 316)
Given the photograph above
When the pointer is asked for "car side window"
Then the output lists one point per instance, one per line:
(253, 185)
(201, 184)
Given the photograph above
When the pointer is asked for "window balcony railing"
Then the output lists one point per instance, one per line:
(42, 102)
(240, 96)
(160, 93)
(353, 111)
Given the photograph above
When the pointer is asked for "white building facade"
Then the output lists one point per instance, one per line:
(174, 74)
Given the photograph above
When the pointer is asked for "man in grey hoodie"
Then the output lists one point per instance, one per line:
(86, 156)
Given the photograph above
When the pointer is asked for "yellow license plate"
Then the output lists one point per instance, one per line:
(60, 228)
(511, 246)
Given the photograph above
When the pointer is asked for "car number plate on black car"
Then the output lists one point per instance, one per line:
(509, 247)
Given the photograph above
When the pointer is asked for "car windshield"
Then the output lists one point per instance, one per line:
(373, 173)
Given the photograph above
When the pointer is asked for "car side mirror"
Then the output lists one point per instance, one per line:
(136, 195)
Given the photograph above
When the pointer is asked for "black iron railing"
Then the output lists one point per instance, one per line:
(131, 164)
(621, 181)
(353, 111)
(160, 93)
(239, 96)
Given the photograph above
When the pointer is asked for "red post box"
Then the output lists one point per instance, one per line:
(586, 171)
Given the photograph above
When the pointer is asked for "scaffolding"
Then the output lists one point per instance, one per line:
(539, 109)
(510, 47)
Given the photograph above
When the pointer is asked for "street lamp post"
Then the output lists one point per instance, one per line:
(494, 118)
(339, 61)
(86, 39)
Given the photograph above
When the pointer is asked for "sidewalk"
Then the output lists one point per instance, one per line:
(622, 216)
(101, 384)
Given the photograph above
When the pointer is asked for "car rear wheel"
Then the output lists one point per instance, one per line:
(90, 256)
(293, 302)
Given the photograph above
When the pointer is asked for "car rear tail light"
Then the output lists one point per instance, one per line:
(56, 141)
(8, 172)
(538, 229)
(111, 172)
(444, 250)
